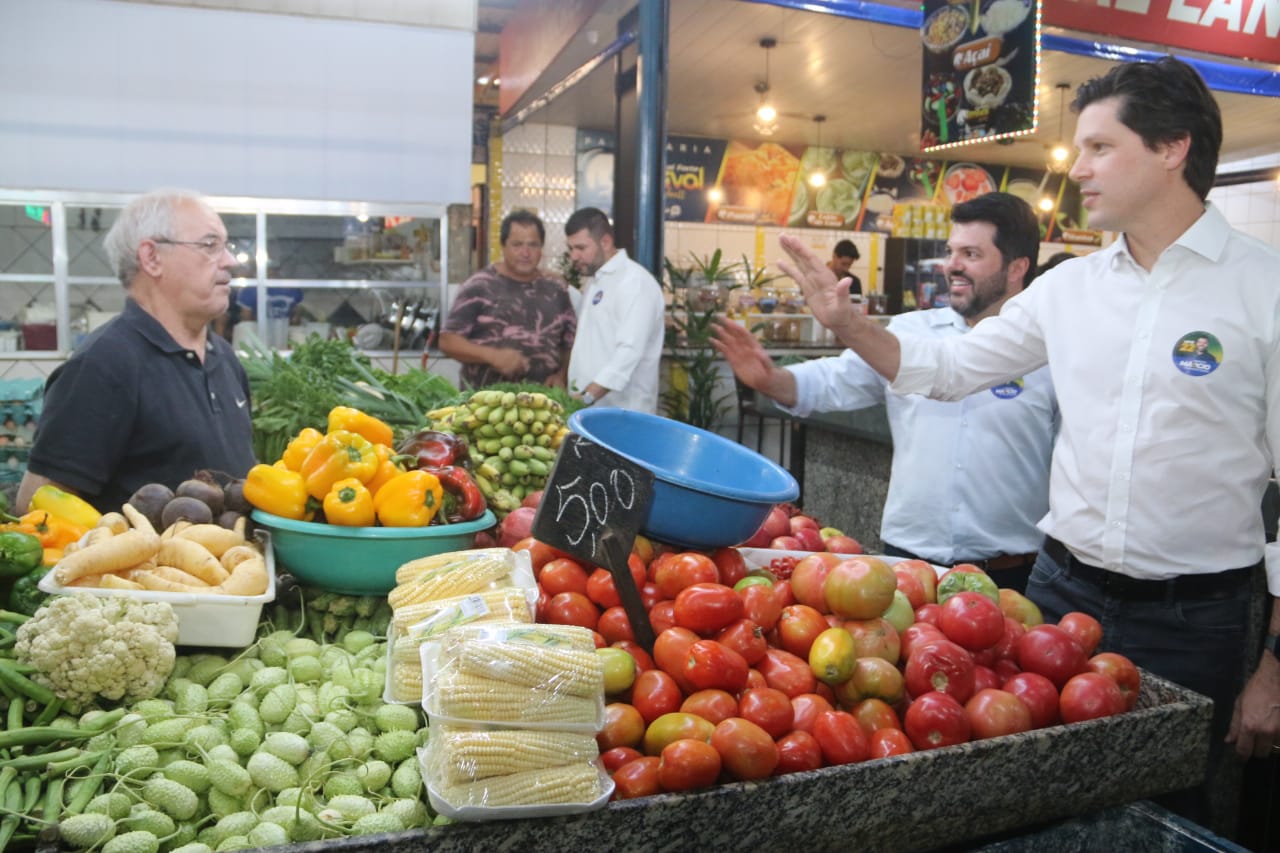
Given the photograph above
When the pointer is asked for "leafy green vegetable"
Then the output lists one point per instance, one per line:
(292, 393)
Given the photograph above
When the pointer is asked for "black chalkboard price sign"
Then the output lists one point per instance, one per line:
(593, 505)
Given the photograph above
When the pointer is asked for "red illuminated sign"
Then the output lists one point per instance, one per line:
(1247, 29)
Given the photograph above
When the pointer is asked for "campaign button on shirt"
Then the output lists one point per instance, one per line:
(596, 297)
(1008, 390)
(1197, 353)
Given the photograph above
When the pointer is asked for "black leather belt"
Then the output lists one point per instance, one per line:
(1003, 561)
(1201, 587)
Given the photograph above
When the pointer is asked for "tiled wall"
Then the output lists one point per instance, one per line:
(1253, 208)
(537, 173)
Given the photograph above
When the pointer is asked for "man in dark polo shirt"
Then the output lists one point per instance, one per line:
(151, 396)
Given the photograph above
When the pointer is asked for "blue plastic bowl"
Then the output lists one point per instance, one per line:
(360, 560)
(709, 491)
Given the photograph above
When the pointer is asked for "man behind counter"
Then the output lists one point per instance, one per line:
(151, 396)
(621, 322)
(970, 479)
(511, 322)
(843, 257)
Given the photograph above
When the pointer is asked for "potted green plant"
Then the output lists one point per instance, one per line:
(694, 380)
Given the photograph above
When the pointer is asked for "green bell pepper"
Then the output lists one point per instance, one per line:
(19, 553)
(26, 597)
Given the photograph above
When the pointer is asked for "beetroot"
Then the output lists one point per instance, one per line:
(516, 526)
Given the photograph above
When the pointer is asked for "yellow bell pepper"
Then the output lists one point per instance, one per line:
(354, 420)
(65, 505)
(53, 531)
(278, 491)
(349, 504)
(303, 443)
(411, 499)
(387, 468)
(339, 455)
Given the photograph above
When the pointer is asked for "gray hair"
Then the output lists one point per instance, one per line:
(145, 218)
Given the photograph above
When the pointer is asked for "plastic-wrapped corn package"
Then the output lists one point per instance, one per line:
(455, 573)
(443, 590)
(413, 625)
(532, 676)
(459, 755)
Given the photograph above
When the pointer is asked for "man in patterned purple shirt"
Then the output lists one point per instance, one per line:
(511, 322)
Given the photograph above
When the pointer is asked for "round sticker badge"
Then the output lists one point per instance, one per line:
(1197, 353)
(1008, 390)
(595, 299)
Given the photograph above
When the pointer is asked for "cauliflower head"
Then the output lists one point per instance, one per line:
(113, 647)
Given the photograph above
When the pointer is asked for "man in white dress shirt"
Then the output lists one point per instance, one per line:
(621, 320)
(1160, 465)
(970, 479)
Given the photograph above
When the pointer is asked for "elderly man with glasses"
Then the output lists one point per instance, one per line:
(151, 396)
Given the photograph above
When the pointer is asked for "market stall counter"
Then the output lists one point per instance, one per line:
(919, 801)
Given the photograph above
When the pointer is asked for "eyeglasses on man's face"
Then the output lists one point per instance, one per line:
(211, 246)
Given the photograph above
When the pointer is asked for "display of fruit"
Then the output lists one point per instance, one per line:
(786, 528)
(829, 666)
(208, 497)
(512, 438)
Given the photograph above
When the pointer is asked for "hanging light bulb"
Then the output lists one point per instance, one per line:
(1060, 154)
(818, 178)
(766, 123)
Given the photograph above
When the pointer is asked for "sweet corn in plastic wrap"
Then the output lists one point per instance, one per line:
(474, 773)
(413, 625)
(458, 755)
(453, 574)
(532, 676)
(572, 783)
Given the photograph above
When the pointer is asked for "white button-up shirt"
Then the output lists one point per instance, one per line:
(1164, 451)
(970, 479)
(621, 320)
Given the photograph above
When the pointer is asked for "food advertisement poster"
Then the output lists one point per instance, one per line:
(747, 182)
(693, 166)
(979, 75)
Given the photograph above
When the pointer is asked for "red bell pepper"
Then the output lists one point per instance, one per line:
(434, 449)
(463, 499)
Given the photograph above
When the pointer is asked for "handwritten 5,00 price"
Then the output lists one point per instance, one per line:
(584, 506)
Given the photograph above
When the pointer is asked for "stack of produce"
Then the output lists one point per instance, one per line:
(831, 659)
(208, 497)
(124, 551)
(290, 394)
(350, 475)
(30, 545)
(438, 592)
(513, 438)
(515, 707)
(284, 742)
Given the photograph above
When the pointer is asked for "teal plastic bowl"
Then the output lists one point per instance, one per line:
(360, 560)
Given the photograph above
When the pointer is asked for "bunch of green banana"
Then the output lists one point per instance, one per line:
(512, 437)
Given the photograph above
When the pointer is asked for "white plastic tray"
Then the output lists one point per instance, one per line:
(203, 620)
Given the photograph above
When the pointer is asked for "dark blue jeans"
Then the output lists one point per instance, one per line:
(1198, 644)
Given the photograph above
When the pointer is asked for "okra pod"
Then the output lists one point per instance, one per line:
(87, 788)
(52, 809)
(43, 759)
(11, 676)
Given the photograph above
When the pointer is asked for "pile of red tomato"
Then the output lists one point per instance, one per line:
(846, 659)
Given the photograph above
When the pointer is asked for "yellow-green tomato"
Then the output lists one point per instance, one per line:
(833, 656)
(752, 580)
(619, 669)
